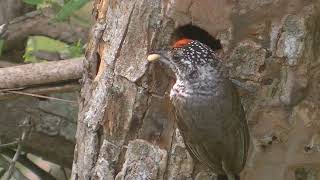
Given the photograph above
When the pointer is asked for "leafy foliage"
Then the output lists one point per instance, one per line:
(64, 11)
(76, 50)
(69, 8)
(33, 2)
(36, 43)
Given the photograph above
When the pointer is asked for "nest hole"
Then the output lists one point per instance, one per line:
(196, 33)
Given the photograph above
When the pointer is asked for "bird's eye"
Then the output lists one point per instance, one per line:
(175, 57)
(180, 51)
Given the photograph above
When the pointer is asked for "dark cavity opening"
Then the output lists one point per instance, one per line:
(194, 32)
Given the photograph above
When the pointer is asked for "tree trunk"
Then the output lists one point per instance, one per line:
(126, 128)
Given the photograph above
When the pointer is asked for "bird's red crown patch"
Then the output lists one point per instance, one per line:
(181, 42)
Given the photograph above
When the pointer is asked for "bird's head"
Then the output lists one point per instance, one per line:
(186, 57)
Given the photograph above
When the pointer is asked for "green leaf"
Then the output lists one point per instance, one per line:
(33, 2)
(68, 9)
(76, 49)
(36, 43)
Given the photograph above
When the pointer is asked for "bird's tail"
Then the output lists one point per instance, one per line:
(228, 177)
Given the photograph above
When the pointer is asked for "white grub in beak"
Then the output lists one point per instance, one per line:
(153, 57)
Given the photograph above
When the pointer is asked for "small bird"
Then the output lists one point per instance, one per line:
(208, 110)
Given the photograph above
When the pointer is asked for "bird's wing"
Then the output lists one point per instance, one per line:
(233, 131)
(196, 146)
(237, 135)
(215, 129)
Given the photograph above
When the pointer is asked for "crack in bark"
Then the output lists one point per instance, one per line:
(97, 33)
(109, 84)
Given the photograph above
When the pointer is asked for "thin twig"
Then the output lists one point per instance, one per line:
(14, 160)
(40, 96)
(3, 29)
(26, 162)
(64, 173)
(11, 89)
(26, 129)
(68, 86)
(9, 144)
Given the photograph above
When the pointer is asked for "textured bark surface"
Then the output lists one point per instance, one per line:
(125, 126)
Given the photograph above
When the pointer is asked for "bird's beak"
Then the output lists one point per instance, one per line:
(162, 56)
(153, 57)
(156, 55)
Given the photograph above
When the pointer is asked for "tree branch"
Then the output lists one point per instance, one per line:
(41, 96)
(43, 89)
(41, 22)
(26, 124)
(41, 73)
(4, 64)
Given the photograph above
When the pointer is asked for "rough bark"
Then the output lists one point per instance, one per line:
(41, 73)
(125, 125)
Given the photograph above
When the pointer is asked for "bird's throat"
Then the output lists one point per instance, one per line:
(192, 88)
